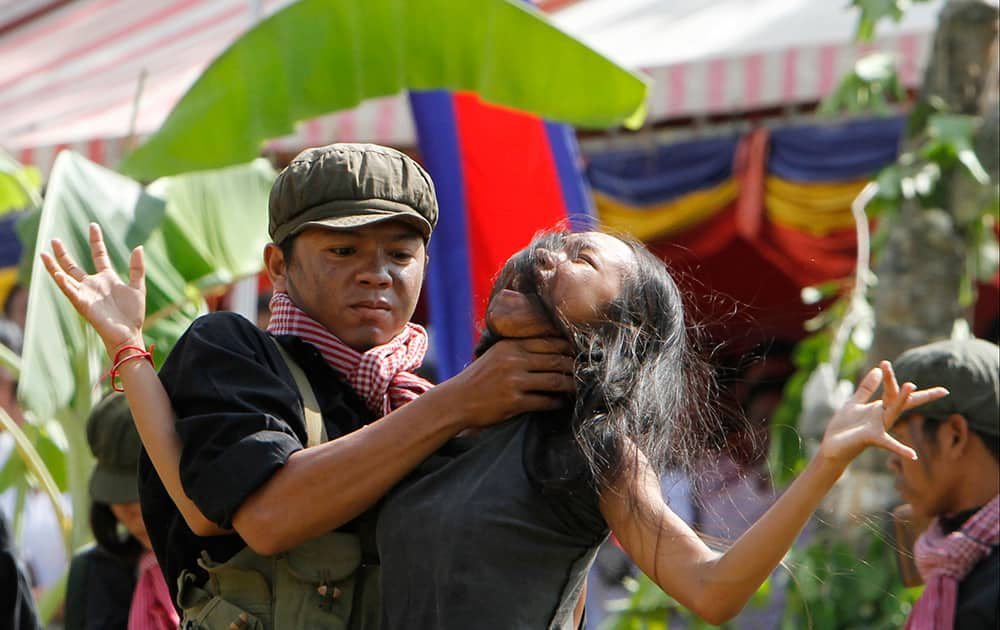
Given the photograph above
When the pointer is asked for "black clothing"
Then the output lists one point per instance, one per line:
(99, 590)
(492, 531)
(17, 606)
(977, 605)
(239, 418)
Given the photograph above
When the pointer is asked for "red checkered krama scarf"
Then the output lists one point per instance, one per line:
(381, 376)
(943, 560)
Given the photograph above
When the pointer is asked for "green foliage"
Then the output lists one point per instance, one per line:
(197, 232)
(871, 12)
(20, 185)
(316, 56)
(787, 454)
(649, 608)
(872, 86)
(834, 587)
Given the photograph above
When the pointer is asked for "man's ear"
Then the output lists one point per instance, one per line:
(274, 263)
(953, 436)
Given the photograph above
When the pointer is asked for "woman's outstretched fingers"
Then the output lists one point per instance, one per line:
(924, 396)
(890, 386)
(867, 386)
(98, 252)
(892, 407)
(893, 445)
(66, 262)
(137, 270)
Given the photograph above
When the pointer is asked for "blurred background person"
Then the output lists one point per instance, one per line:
(116, 582)
(17, 606)
(38, 534)
(955, 482)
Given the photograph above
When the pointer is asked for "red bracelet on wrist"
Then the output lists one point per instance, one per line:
(119, 361)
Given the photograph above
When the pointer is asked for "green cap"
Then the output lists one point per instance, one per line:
(115, 443)
(968, 368)
(344, 186)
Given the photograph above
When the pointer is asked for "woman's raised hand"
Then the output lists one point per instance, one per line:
(861, 423)
(116, 310)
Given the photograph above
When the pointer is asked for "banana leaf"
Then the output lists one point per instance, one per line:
(20, 185)
(215, 226)
(319, 56)
(63, 359)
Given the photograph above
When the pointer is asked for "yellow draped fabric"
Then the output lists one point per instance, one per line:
(816, 208)
(8, 276)
(651, 222)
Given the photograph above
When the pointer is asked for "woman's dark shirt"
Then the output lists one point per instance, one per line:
(99, 590)
(977, 605)
(483, 535)
(239, 418)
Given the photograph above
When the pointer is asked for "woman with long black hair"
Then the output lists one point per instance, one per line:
(497, 529)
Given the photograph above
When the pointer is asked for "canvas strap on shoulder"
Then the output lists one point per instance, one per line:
(315, 429)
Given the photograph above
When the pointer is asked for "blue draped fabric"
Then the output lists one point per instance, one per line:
(10, 244)
(661, 173)
(835, 153)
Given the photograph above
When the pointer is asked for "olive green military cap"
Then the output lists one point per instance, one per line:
(345, 186)
(968, 368)
(115, 443)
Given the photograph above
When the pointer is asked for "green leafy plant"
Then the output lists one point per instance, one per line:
(198, 231)
(872, 86)
(649, 608)
(871, 12)
(316, 56)
(20, 185)
(834, 586)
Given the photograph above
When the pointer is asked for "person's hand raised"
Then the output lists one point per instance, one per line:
(859, 423)
(115, 309)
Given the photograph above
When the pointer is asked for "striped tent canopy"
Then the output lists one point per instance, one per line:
(95, 75)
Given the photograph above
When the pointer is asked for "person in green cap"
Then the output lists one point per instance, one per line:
(287, 438)
(116, 582)
(955, 482)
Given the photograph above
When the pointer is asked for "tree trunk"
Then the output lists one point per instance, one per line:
(921, 266)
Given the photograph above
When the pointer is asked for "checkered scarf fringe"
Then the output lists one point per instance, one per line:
(943, 560)
(382, 376)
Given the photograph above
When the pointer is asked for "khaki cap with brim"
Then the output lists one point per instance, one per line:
(115, 443)
(345, 186)
(968, 368)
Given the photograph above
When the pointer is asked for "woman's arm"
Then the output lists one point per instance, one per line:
(716, 586)
(116, 311)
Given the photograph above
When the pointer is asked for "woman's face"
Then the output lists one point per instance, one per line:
(577, 275)
(129, 515)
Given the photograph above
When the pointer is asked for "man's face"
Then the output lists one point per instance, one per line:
(361, 284)
(926, 484)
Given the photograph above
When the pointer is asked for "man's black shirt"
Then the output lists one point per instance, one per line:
(239, 418)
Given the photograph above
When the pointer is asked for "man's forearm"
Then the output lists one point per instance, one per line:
(328, 485)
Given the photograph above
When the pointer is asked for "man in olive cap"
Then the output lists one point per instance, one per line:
(289, 493)
(955, 481)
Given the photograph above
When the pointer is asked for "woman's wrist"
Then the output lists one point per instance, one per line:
(115, 349)
(828, 467)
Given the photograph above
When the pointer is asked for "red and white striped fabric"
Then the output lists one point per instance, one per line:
(70, 69)
(381, 376)
(74, 74)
